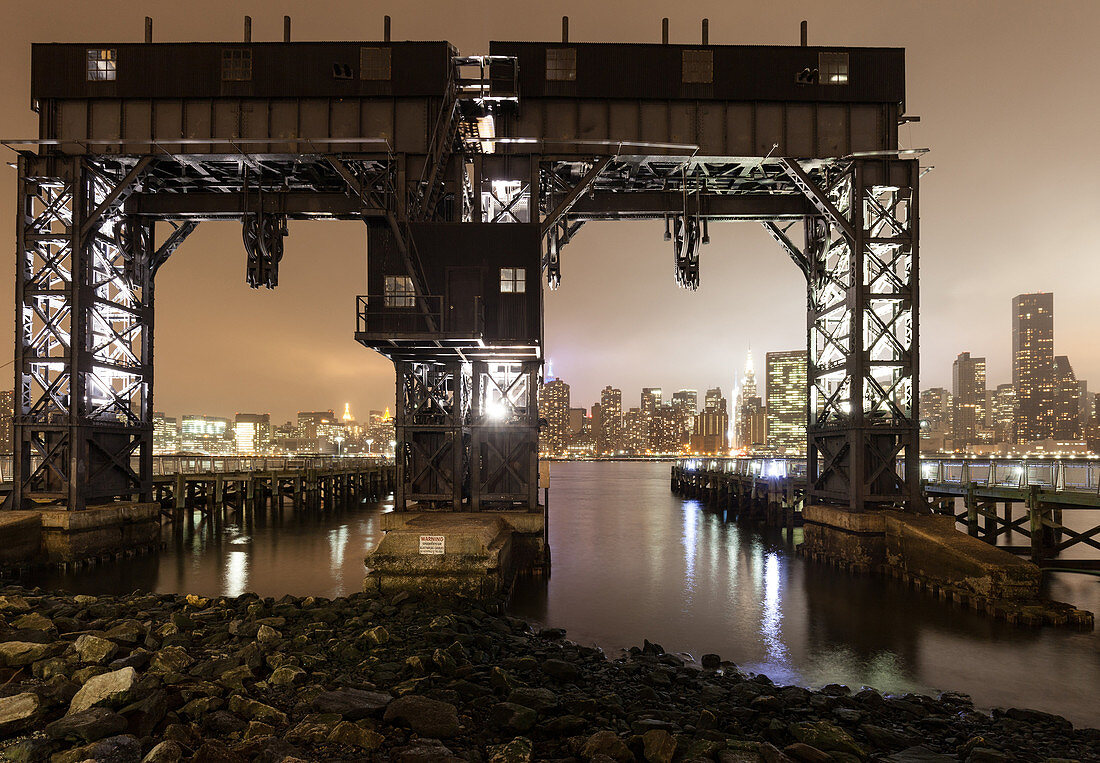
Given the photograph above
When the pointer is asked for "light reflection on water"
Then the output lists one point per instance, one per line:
(633, 561)
(745, 595)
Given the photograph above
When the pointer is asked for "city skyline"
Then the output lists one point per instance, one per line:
(618, 303)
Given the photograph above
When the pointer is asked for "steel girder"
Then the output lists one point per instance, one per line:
(431, 453)
(504, 426)
(84, 334)
(861, 261)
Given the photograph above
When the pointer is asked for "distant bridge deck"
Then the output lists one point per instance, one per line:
(979, 493)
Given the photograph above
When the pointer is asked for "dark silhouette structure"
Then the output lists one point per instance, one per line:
(471, 173)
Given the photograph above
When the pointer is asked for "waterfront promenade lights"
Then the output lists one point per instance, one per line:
(370, 442)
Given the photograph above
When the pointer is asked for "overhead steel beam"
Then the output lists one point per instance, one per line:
(570, 199)
(657, 204)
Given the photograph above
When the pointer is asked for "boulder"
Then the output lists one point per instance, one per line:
(15, 654)
(659, 746)
(534, 698)
(348, 733)
(561, 670)
(427, 717)
(18, 712)
(352, 704)
(88, 726)
(113, 688)
(165, 752)
(509, 715)
(256, 711)
(171, 659)
(827, 737)
(94, 650)
(517, 751)
(607, 743)
(287, 675)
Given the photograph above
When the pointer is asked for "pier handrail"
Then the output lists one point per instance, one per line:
(1078, 475)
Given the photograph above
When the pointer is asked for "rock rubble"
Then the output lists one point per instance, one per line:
(165, 678)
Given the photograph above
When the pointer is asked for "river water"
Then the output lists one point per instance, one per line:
(632, 561)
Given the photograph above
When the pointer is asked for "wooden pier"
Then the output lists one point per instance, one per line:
(205, 483)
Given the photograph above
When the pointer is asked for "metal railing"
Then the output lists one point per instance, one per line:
(196, 464)
(409, 314)
(1061, 474)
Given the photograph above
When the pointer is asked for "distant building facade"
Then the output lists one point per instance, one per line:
(968, 391)
(1033, 365)
(252, 433)
(786, 401)
(554, 408)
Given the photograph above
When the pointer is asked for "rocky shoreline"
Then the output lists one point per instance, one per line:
(160, 678)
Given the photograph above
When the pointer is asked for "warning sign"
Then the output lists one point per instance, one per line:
(431, 544)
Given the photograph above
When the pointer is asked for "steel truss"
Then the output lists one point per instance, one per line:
(84, 334)
(860, 258)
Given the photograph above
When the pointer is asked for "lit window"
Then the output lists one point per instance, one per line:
(832, 68)
(561, 64)
(399, 292)
(513, 280)
(697, 66)
(102, 64)
(374, 63)
(236, 65)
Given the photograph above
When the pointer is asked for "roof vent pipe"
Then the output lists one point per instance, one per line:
(565, 29)
(706, 31)
(286, 28)
(148, 28)
(804, 33)
(664, 31)
(248, 29)
(386, 29)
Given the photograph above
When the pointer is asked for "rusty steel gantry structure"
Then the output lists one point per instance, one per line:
(471, 174)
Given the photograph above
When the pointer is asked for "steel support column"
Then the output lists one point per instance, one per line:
(504, 432)
(430, 429)
(84, 334)
(861, 254)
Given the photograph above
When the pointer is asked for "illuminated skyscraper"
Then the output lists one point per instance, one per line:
(1067, 401)
(252, 432)
(1004, 413)
(747, 409)
(686, 404)
(609, 433)
(968, 389)
(166, 433)
(554, 407)
(714, 402)
(786, 401)
(211, 435)
(1033, 365)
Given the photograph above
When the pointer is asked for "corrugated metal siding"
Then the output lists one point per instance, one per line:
(193, 70)
(741, 72)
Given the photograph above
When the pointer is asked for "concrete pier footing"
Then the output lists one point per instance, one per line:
(59, 536)
(473, 554)
(929, 553)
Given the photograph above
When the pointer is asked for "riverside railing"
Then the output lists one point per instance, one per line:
(1079, 475)
(195, 464)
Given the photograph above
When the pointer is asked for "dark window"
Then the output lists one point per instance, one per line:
(561, 64)
(342, 71)
(697, 66)
(399, 292)
(374, 63)
(832, 68)
(102, 64)
(236, 65)
(513, 280)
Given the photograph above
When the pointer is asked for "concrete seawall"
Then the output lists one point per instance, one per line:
(464, 553)
(59, 536)
(929, 553)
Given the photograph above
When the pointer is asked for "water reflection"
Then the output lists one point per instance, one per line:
(741, 593)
